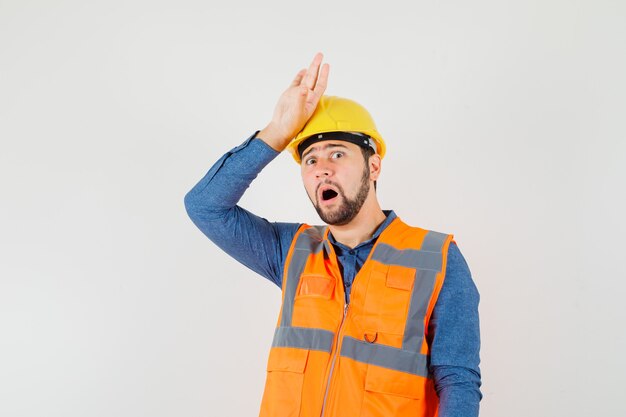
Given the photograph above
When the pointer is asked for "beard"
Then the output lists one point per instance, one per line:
(348, 208)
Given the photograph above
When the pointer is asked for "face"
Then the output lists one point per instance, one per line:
(336, 179)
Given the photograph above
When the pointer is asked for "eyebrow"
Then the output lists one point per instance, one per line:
(315, 148)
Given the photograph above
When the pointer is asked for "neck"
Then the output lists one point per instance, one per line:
(361, 228)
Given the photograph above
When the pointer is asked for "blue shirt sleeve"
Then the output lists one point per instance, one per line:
(455, 341)
(211, 204)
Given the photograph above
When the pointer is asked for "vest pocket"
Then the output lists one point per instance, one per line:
(388, 298)
(283, 387)
(391, 393)
(316, 285)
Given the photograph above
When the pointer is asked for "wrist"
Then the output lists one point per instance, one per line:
(275, 139)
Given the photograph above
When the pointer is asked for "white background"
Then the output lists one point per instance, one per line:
(505, 124)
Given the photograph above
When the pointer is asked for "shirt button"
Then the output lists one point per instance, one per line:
(351, 252)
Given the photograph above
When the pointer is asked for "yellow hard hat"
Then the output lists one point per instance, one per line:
(337, 114)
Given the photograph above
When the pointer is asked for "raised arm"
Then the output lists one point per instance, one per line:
(212, 206)
(212, 202)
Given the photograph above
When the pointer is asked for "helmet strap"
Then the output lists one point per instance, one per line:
(359, 139)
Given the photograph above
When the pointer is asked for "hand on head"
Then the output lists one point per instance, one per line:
(296, 105)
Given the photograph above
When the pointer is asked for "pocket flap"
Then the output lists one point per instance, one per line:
(314, 285)
(388, 381)
(287, 359)
(400, 277)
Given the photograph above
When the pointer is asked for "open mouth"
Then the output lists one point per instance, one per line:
(327, 193)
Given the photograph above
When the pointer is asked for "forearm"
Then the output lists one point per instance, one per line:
(225, 183)
(212, 206)
(454, 335)
(458, 389)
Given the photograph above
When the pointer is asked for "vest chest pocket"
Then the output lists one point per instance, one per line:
(388, 297)
(283, 387)
(316, 286)
(314, 304)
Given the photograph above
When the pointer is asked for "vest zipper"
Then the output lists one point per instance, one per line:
(335, 354)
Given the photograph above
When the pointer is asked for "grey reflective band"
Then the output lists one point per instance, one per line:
(409, 258)
(319, 231)
(433, 241)
(303, 338)
(420, 297)
(309, 242)
(427, 262)
(327, 246)
(385, 356)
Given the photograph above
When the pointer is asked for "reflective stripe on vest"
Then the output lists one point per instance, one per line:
(427, 262)
(309, 242)
(385, 356)
(303, 338)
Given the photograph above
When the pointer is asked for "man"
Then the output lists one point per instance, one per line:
(378, 318)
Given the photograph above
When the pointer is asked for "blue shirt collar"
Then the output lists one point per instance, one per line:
(391, 215)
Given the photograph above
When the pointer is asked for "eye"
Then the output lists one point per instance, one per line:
(309, 161)
(336, 154)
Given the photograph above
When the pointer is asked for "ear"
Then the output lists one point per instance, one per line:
(375, 166)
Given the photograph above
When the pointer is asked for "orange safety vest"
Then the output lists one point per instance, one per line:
(369, 358)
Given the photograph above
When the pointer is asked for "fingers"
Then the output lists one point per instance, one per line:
(311, 74)
(296, 81)
(322, 81)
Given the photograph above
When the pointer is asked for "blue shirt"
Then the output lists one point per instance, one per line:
(262, 246)
(352, 259)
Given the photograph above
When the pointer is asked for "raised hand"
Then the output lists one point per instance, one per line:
(296, 105)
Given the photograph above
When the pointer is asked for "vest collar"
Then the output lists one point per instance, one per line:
(391, 216)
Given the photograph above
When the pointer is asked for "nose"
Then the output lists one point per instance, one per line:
(323, 169)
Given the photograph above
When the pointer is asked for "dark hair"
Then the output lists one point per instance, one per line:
(367, 152)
